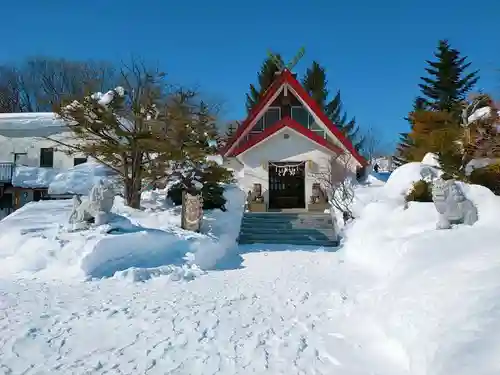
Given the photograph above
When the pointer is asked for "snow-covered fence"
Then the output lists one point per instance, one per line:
(6, 171)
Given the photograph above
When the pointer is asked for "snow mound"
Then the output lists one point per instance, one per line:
(35, 242)
(33, 177)
(80, 179)
(432, 296)
(402, 178)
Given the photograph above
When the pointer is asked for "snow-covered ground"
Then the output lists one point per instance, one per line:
(398, 297)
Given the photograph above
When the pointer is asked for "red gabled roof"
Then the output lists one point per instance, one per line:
(286, 122)
(286, 77)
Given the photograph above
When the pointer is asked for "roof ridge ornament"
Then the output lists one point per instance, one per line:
(291, 64)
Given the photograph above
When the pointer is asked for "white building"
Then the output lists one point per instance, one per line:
(285, 144)
(28, 160)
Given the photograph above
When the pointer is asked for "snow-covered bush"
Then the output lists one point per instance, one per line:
(421, 191)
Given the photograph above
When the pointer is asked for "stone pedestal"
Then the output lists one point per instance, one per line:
(318, 207)
(257, 207)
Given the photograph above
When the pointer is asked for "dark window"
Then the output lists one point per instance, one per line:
(303, 117)
(6, 201)
(47, 157)
(272, 115)
(259, 126)
(39, 195)
(77, 161)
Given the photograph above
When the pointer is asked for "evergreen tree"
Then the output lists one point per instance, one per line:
(265, 78)
(228, 134)
(403, 149)
(444, 90)
(405, 144)
(448, 82)
(315, 83)
(145, 134)
(231, 129)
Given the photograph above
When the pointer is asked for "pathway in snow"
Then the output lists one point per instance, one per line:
(276, 316)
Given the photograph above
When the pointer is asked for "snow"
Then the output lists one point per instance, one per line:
(107, 98)
(480, 114)
(398, 297)
(33, 177)
(76, 180)
(218, 159)
(478, 163)
(431, 159)
(384, 163)
(29, 120)
(80, 179)
(37, 241)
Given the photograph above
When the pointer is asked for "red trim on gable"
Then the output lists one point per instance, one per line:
(324, 119)
(287, 77)
(286, 122)
(256, 110)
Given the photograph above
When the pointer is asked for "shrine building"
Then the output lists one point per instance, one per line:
(284, 145)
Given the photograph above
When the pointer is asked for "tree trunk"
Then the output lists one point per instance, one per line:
(132, 194)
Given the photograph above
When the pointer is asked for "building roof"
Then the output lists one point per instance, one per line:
(287, 78)
(29, 120)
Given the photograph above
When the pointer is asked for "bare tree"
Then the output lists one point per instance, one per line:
(40, 83)
(10, 93)
(47, 81)
(338, 179)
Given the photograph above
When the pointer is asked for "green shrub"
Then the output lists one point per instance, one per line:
(212, 192)
(488, 176)
(421, 191)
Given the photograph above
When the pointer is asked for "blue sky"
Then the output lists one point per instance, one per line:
(374, 52)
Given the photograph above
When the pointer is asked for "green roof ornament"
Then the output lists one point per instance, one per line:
(292, 62)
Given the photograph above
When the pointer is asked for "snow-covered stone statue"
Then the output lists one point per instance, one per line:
(452, 205)
(100, 202)
(96, 209)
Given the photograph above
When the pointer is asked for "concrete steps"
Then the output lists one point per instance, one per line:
(306, 229)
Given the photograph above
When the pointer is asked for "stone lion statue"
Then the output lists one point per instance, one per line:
(94, 210)
(452, 205)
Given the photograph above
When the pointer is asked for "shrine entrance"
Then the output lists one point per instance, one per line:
(287, 188)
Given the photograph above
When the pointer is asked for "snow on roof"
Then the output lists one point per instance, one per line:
(29, 120)
(80, 179)
(76, 180)
(33, 177)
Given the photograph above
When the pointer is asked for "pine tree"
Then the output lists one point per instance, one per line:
(118, 128)
(144, 133)
(265, 78)
(229, 133)
(231, 129)
(444, 90)
(315, 83)
(405, 144)
(403, 149)
(191, 131)
(448, 82)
